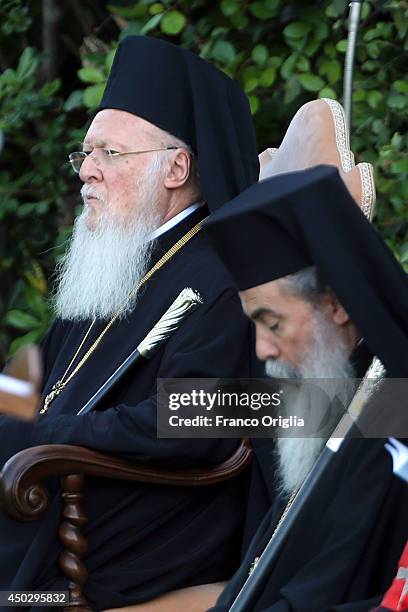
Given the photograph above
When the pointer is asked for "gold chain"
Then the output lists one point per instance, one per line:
(63, 381)
(282, 518)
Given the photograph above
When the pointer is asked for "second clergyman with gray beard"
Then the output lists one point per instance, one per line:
(327, 320)
(154, 163)
(325, 373)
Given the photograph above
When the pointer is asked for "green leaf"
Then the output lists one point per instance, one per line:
(152, 23)
(136, 11)
(288, 65)
(250, 79)
(365, 11)
(91, 75)
(311, 47)
(230, 7)
(259, 54)
(401, 86)
(50, 88)
(404, 254)
(297, 29)
(254, 104)
(75, 100)
(340, 5)
(25, 209)
(334, 10)
(298, 44)
(373, 49)
(109, 59)
(321, 31)
(20, 320)
(310, 82)
(328, 92)
(223, 51)
(397, 141)
(342, 46)
(172, 22)
(400, 166)
(292, 90)
(218, 33)
(272, 5)
(37, 302)
(374, 98)
(329, 50)
(261, 10)
(275, 61)
(27, 64)
(93, 95)
(239, 21)
(133, 28)
(267, 77)
(370, 66)
(359, 95)
(332, 69)
(156, 8)
(303, 64)
(397, 101)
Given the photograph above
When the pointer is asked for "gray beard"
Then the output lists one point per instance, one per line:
(327, 359)
(103, 267)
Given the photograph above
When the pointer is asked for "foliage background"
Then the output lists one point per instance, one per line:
(54, 61)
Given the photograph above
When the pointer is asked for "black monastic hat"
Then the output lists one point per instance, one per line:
(284, 224)
(186, 96)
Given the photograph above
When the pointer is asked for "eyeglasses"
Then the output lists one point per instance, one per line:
(77, 158)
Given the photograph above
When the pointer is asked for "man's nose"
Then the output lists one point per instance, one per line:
(90, 169)
(266, 348)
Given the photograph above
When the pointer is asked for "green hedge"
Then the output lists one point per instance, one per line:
(54, 67)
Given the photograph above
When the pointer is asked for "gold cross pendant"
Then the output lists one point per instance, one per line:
(55, 391)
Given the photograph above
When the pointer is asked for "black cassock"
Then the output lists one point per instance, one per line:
(342, 552)
(144, 539)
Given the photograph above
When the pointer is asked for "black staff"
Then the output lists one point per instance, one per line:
(245, 599)
(175, 315)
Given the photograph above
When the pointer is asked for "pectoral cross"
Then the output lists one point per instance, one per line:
(55, 391)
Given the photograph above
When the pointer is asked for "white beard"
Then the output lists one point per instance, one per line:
(103, 266)
(327, 358)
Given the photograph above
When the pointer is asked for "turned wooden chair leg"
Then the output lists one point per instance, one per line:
(74, 542)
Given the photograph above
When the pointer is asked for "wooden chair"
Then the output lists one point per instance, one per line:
(24, 496)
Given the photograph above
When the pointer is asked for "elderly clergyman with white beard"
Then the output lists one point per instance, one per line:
(326, 295)
(173, 139)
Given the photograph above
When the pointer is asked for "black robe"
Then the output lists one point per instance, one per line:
(143, 539)
(342, 552)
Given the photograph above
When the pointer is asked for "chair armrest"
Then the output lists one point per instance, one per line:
(24, 496)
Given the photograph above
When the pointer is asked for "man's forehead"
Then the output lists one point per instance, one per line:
(269, 298)
(116, 124)
(261, 296)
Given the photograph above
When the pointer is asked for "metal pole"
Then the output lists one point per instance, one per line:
(354, 18)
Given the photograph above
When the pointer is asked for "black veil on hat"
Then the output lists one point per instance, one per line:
(284, 224)
(186, 96)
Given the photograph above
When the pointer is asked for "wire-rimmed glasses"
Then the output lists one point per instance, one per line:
(77, 158)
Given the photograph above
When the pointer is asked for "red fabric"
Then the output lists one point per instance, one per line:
(396, 598)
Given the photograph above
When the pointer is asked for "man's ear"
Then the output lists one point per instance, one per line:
(334, 309)
(179, 171)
